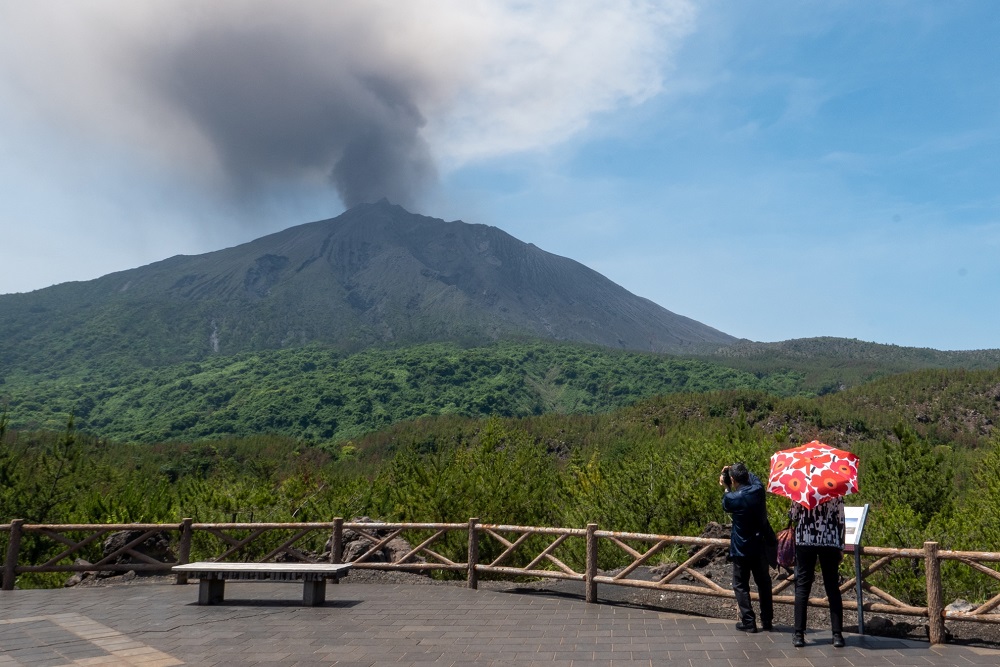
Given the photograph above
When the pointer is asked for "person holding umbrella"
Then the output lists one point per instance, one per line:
(816, 477)
(744, 500)
(819, 535)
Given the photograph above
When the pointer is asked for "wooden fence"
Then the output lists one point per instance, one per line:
(487, 549)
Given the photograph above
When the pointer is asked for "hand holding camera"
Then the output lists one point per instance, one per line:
(726, 479)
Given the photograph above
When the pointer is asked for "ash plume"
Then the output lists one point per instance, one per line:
(271, 109)
(259, 98)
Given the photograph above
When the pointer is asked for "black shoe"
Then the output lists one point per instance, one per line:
(749, 628)
(766, 627)
(799, 640)
(838, 640)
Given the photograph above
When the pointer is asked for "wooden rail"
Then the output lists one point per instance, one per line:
(478, 549)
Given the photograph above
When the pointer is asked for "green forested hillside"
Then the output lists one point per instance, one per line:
(828, 364)
(317, 394)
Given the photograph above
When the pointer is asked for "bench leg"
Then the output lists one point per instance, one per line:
(314, 592)
(211, 591)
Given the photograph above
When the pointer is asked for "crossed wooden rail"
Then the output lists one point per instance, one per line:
(492, 549)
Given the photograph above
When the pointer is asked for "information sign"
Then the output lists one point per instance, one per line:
(855, 517)
(855, 525)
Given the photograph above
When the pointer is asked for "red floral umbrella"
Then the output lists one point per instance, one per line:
(813, 473)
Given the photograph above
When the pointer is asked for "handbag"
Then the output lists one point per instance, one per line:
(786, 547)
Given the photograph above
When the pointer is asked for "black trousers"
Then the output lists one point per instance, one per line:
(805, 572)
(743, 568)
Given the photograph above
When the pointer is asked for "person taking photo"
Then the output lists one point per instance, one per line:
(744, 500)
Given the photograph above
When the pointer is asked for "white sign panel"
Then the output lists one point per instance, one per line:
(855, 517)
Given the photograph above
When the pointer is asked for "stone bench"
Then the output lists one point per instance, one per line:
(213, 577)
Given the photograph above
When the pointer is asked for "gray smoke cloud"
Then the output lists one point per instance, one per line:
(272, 109)
(248, 97)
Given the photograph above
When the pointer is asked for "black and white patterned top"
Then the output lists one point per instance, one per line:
(822, 526)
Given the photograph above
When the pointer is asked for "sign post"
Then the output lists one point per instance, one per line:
(855, 519)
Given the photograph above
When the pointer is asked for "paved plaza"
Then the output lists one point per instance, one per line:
(363, 624)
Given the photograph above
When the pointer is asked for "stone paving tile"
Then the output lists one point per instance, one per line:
(160, 626)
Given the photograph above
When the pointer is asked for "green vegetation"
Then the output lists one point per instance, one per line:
(929, 460)
(323, 396)
(316, 394)
(827, 365)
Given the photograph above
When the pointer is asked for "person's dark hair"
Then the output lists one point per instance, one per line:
(738, 471)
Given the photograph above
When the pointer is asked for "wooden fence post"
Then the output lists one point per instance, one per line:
(473, 581)
(13, 549)
(184, 549)
(337, 548)
(591, 563)
(935, 609)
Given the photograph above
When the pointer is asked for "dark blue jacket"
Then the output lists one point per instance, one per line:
(749, 510)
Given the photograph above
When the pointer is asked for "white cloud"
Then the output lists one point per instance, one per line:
(542, 70)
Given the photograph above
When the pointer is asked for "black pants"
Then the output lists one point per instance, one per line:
(743, 567)
(805, 572)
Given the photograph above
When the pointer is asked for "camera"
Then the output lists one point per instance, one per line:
(726, 477)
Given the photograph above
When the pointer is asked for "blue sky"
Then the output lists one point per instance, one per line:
(775, 170)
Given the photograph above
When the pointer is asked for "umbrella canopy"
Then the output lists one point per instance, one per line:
(813, 473)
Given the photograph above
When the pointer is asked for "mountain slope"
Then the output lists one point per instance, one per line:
(375, 275)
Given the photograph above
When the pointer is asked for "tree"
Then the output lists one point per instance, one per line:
(10, 473)
(48, 494)
(910, 473)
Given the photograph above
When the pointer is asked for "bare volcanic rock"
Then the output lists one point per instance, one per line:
(357, 545)
(156, 546)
